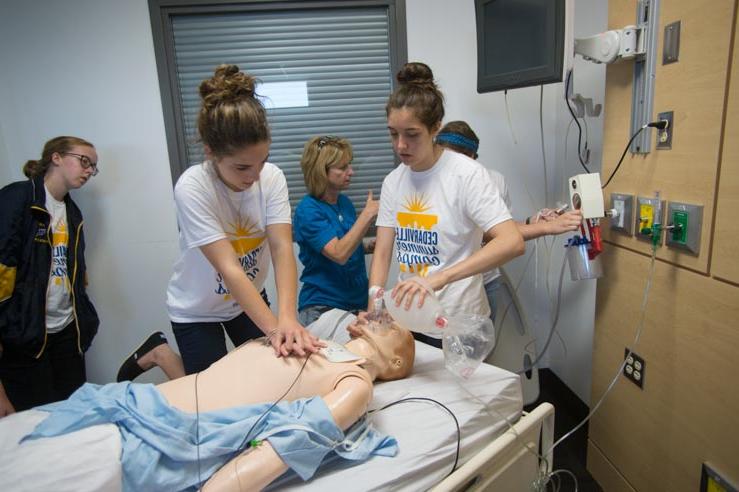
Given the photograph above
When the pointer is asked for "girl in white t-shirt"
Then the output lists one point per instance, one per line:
(436, 207)
(234, 218)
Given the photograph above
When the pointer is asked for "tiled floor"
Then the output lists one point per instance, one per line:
(569, 411)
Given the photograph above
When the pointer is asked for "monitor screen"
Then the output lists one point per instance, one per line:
(520, 43)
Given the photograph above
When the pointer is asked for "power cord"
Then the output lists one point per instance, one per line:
(579, 128)
(554, 322)
(421, 399)
(660, 125)
(246, 439)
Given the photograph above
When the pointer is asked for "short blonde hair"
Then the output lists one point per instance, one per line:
(319, 155)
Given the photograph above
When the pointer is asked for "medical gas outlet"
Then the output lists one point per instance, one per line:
(649, 220)
(623, 220)
(684, 224)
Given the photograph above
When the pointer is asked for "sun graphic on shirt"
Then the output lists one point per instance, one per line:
(245, 236)
(60, 237)
(416, 205)
(416, 218)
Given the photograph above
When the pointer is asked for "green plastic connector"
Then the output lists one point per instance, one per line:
(656, 234)
(680, 232)
(254, 443)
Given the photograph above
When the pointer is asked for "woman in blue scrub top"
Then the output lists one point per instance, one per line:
(330, 233)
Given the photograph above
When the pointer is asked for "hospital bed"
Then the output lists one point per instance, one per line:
(492, 455)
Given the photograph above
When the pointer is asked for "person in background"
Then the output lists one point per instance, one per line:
(47, 320)
(435, 209)
(459, 137)
(234, 218)
(329, 232)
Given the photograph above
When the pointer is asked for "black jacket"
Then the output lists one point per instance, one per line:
(25, 264)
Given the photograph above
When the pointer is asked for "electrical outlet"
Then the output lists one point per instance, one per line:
(664, 136)
(634, 368)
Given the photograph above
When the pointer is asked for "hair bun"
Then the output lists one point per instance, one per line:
(228, 84)
(416, 73)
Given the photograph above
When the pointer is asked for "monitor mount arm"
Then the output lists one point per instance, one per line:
(611, 46)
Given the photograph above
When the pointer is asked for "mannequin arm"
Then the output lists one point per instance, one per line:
(256, 468)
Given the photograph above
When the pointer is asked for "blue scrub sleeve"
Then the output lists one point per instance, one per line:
(314, 228)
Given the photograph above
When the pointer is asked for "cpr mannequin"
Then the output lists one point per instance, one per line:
(345, 387)
(252, 374)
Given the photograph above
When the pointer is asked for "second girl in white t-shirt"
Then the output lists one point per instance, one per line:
(435, 208)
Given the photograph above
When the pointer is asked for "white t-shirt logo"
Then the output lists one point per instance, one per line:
(60, 239)
(59, 310)
(416, 240)
(247, 241)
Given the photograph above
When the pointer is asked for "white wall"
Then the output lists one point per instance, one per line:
(442, 34)
(86, 68)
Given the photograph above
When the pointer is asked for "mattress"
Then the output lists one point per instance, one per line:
(426, 433)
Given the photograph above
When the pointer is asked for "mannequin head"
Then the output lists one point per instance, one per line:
(391, 352)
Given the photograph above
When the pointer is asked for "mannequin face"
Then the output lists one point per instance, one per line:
(394, 350)
(241, 169)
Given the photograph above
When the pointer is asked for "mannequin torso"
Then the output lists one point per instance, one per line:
(252, 374)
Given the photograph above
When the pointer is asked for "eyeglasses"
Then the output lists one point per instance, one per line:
(328, 139)
(85, 162)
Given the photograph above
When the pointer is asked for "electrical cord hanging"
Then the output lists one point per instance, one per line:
(554, 322)
(543, 152)
(508, 115)
(661, 125)
(246, 439)
(620, 161)
(542, 481)
(420, 399)
(579, 128)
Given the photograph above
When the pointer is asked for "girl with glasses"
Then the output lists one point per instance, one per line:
(234, 219)
(47, 321)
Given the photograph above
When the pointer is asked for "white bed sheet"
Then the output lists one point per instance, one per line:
(426, 433)
(49, 464)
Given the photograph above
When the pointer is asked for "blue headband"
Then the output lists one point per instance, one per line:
(458, 140)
